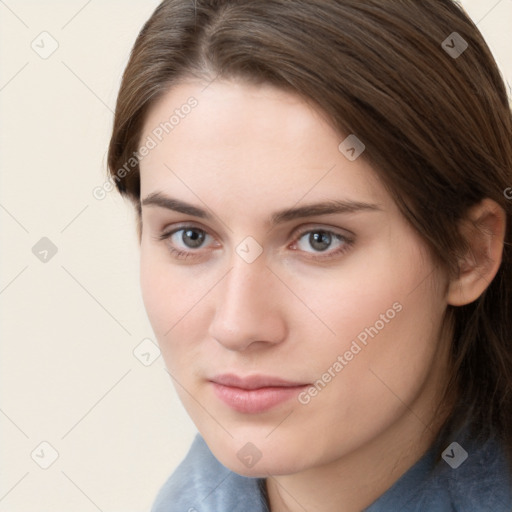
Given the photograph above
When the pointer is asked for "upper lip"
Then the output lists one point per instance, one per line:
(254, 381)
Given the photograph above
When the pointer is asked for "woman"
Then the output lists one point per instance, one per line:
(324, 217)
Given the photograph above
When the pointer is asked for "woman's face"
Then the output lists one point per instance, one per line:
(333, 311)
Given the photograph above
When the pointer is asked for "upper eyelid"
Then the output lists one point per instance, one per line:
(336, 231)
(303, 228)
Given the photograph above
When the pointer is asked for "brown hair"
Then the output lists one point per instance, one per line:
(437, 129)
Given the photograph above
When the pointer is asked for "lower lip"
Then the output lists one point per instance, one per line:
(253, 401)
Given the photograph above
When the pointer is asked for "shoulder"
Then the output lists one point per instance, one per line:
(202, 484)
(482, 482)
(472, 477)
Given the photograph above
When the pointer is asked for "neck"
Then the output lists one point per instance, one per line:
(356, 480)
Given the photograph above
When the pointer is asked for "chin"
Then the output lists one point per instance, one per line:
(258, 458)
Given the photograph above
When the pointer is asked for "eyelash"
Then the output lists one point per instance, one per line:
(184, 255)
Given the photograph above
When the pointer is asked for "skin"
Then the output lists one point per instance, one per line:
(243, 153)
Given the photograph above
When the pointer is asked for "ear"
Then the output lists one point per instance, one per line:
(484, 231)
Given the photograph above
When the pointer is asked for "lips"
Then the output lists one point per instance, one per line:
(254, 394)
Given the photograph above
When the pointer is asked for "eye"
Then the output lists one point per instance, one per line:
(186, 242)
(192, 238)
(183, 242)
(325, 243)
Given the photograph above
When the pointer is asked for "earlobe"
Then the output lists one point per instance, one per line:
(484, 231)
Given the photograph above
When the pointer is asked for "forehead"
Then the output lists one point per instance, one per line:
(244, 139)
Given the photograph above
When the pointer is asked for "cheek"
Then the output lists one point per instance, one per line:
(387, 322)
(382, 298)
(173, 298)
(363, 296)
(163, 296)
(155, 290)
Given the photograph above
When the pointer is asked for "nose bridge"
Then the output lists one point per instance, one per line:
(245, 288)
(246, 308)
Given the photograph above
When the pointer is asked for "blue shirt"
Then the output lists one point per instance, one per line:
(480, 483)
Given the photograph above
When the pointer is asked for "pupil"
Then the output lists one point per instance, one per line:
(195, 238)
(320, 240)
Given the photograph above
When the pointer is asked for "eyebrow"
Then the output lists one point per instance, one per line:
(309, 210)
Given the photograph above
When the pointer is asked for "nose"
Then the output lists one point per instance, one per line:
(248, 308)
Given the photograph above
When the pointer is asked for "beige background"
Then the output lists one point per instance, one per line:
(69, 326)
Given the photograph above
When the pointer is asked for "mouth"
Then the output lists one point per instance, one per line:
(254, 394)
